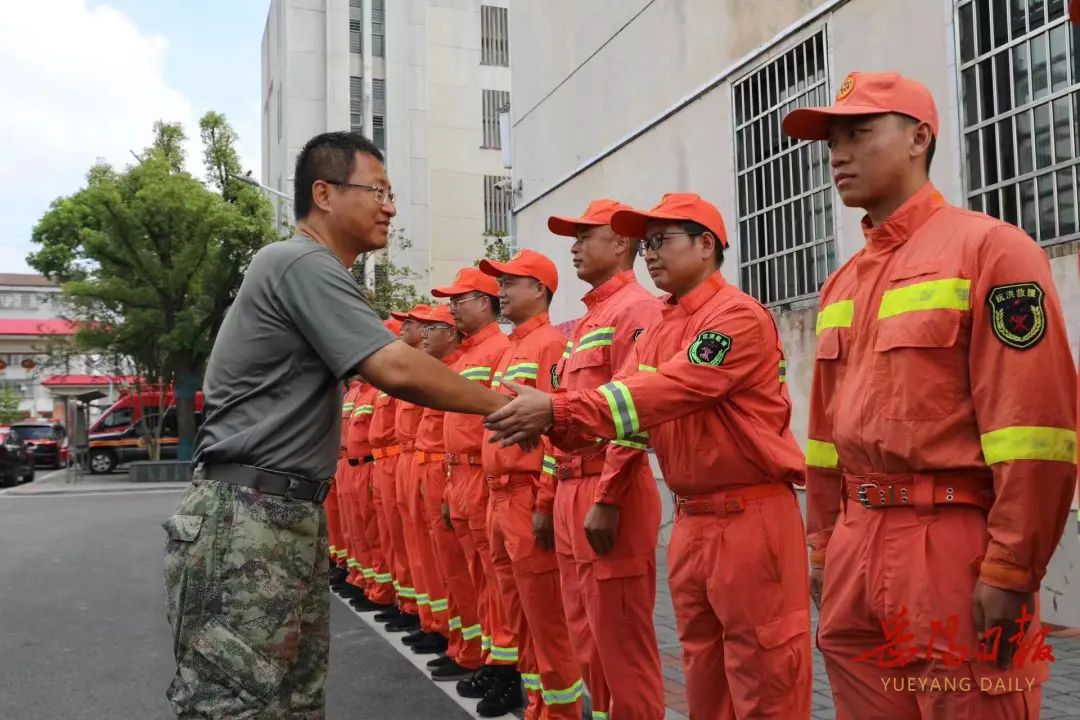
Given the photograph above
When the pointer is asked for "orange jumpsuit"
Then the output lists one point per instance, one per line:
(471, 571)
(338, 552)
(940, 452)
(706, 384)
(364, 529)
(609, 600)
(406, 423)
(387, 453)
(425, 512)
(521, 484)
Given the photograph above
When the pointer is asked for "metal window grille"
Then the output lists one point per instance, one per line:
(496, 206)
(378, 28)
(356, 104)
(378, 131)
(356, 26)
(786, 231)
(1020, 97)
(378, 96)
(494, 101)
(494, 36)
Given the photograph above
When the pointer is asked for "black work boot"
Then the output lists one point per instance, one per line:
(391, 613)
(362, 604)
(349, 592)
(504, 695)
(416, 637)
(405, 623)
(477, 686)
(440, 661)
(433, 644)
(450, 671)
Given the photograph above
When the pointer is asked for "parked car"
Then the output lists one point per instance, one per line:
(48, 441)
(16, 458)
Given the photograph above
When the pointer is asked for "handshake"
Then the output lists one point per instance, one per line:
(522, 420)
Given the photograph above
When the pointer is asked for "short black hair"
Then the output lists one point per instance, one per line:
(693, 228)
(329, 156)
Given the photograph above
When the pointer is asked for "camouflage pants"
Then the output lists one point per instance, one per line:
(248, 604)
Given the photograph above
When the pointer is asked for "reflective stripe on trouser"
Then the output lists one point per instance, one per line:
(894, 558)
(740, 590)
(429, 493)
(333, 521)
(357, 552)
(385, 498)
(409, 503)
(619, 593)
(529, 578)
(380, 589)
(398, 516)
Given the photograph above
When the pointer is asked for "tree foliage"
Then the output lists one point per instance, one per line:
(9, 406)
(389, 286)
(150, 257)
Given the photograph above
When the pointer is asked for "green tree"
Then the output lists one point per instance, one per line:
(389, 286)
(9, 406)
(150, 259)
(496, 247)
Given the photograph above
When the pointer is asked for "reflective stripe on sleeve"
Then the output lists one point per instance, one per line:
(838, 314)
(623, 412)
(821, 455)
(1029, 443)
(597, 338)
(550, 465)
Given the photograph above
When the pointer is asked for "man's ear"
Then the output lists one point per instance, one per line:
(320, 195)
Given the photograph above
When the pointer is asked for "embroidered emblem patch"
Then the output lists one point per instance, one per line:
(637, 333)
(1017, 315)
(709, 348)
(846, 87)
(555, 376)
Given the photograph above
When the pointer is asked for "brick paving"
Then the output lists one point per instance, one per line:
(1061, 696)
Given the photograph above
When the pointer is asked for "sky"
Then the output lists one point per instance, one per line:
(86, 79)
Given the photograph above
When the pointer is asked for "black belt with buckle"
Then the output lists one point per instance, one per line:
(271, 482)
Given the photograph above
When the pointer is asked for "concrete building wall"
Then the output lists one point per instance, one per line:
(634, 99)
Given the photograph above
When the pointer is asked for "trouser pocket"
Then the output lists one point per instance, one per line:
(182, 569)
(783, 652)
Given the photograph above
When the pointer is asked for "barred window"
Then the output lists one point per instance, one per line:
(494, 36)
(378, 112)
(787, 237)
(356, 104)
(356, 26)
(378, 131)
(1020, 80)
(496, 206)
(378, 28)
(494, 101)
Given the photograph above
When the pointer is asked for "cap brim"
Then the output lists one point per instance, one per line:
(632, 223)
(813, 123)
(495, 268)
(451, 291)
(568, 226)
(402, 316)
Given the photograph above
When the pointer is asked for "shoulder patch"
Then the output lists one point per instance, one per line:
(1017, 315)
(709, 348)
(637, 334)
(555, 376)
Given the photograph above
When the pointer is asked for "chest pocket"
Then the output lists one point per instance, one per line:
(920, 358)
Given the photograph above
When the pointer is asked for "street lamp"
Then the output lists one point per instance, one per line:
(249, 180)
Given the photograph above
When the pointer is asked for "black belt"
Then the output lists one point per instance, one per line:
(290, 487)
(366, 459)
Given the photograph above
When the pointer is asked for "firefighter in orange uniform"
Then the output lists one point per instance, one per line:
(378, 586)
(707, 386)
(386, 453)
(339, 570)
(522, 487)
(357, 551)
(407, 617)
(440, 340)
(942, 444)
(606, 539)
(470, 571)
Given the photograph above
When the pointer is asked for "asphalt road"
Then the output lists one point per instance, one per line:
(82, 622)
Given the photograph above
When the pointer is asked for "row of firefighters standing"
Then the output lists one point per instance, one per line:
(940, 464)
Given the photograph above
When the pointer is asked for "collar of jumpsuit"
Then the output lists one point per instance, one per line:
(480, 336)
(598, 295)
(908, 218)
(528, 326)
(694, 300)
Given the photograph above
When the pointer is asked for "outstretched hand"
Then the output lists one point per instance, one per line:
(522, 419)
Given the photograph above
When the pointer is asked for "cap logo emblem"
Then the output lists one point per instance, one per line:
(846, 88)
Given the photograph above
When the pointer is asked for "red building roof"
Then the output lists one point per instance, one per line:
(38, 327)
(69, 380)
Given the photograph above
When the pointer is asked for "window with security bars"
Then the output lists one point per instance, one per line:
(494, 36)
(378, 131)
(494, 102)
(356, 104)
(356, 26)
(496, 206)
(1020, 87)
(787, 238)
(378, 28)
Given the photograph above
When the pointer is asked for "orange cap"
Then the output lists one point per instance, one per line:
(436, 314)
(865, 94)
(393, 326)
(469, 279)
(526, 263)
(598, 213)
(416, 309)
(673, 206)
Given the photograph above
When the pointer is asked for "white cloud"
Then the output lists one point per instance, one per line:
(77, 84)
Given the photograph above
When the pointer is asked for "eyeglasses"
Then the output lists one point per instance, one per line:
(455, 303)
(656, 240)
(433, 327)
(383, 196)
